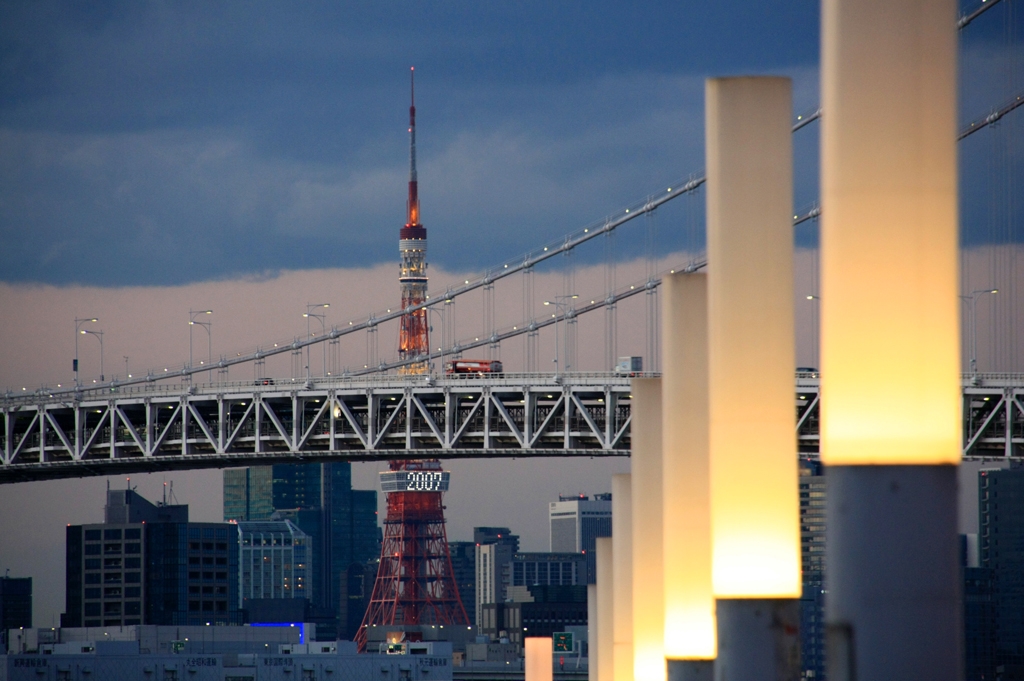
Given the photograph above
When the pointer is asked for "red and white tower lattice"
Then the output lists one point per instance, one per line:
(415, 584)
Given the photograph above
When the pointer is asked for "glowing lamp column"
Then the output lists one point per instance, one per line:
(592, 631)
(690, 641)
(755, 517)
(648, 576)
(889, 308)
(622, 576)
(605, 609)
(539, 658)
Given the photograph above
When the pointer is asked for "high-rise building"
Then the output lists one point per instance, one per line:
(979, 614)
(464, 573)
(275, 561)
(812, 555)
(544, 569)
(1001, 549)
(248, 493)
(491, 560)
(15, 606)
(341, 524)
(576, 523)
(147, 564)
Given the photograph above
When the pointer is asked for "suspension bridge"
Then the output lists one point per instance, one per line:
(169, 418)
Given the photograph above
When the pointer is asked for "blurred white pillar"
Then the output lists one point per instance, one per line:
(539, 658)
(755, 517)
(602, 650)
(889, 307)
(591, 632)
(690, 641)
(648, 574)
(622, 576)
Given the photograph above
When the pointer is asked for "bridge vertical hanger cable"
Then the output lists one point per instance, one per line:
(568, 290)
(651, 296)
(611, 316)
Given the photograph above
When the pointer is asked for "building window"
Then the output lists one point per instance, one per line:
(92, 535)
(92, 593)
(133, 577)
(92, 549)
(111, 548)
(133, 548)
(112, 534)
(133, 533)
(133, 592)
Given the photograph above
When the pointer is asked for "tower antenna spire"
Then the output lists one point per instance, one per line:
(414, 201)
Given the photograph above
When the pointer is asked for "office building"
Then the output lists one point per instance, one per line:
(538, 610)
(493, 548)
(463, 555)
(1001, 552)
(544, 569)
(275, 561)
(341, 525)
(812, 557)
(576, 522)
(15, 606)
(147, 564)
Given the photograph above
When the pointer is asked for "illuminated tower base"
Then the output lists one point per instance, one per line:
(415, 585)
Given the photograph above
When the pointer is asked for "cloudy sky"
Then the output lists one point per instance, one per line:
(252, 157)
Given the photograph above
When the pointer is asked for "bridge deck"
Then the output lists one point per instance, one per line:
(161, 427)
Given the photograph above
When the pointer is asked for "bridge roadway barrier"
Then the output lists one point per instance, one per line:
(159, 427)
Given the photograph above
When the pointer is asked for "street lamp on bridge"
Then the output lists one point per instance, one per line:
(322, 317)
(208, 326)
(99, 335)
(562, 305)
(971, 300)
(78, 327)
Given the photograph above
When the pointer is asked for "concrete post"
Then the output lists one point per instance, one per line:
(755, 516)
(622, 576)
(647, 512)
(539, 658)
(690, 638)
(591, 632)
(605, 643)
(889, 304)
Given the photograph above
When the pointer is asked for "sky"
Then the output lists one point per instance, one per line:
(252, 157)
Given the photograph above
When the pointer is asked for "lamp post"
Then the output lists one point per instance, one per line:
(99, 335)
(439, 313)
(78, 327)
(209, 337)
(323, 326)
(561, 307)
(971, 300)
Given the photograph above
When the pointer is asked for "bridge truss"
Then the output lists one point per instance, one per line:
(155, 428)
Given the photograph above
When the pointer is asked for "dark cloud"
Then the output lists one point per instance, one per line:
(156, 143)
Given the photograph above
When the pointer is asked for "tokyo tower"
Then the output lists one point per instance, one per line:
(415, 585)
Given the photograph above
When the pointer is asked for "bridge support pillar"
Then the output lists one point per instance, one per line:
(622, 576)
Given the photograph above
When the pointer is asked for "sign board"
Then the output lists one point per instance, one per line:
(563, 641)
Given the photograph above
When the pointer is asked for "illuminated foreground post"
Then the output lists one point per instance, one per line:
(592, 632)
(648, 575)
(690, 642)
(755, 523)
(622, 576)
(605, 643)
(889, 308)
(539, 658)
